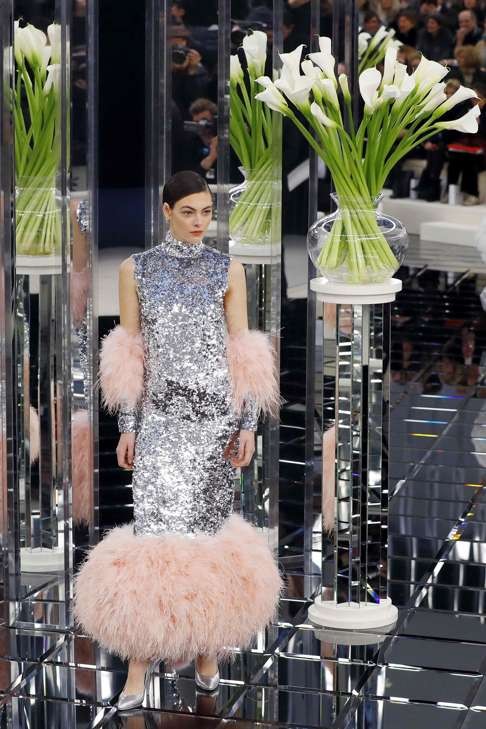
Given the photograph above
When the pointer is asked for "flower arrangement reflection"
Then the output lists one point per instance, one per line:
(401, 111)
(250, 130)
(37, 121)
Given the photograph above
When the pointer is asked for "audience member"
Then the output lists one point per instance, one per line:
(406, 28)
(387, 10)
(435, 41)
(468, 69)
(371, 23)
(468, 33)
(466, 155)
(190, 79)
(426, 9)
(204, 137)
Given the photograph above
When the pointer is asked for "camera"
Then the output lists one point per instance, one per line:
(179, 54)
(200, 127)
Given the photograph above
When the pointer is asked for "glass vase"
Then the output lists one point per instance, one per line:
(38, 208)
(252, 214)
(357, 243)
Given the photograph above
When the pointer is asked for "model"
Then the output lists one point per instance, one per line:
(188, 379)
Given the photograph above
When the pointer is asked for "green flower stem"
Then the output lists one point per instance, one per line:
(36, 118)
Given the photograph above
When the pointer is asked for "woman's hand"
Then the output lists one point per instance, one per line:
(246, 448)
(125, 450)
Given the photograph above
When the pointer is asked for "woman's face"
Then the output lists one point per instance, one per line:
(190, 216)
(432, 25)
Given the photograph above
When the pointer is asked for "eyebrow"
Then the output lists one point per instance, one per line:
(188, 207)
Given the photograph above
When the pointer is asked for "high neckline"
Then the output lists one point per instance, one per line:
(181, 248)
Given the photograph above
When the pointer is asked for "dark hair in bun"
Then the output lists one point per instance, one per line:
(181, 185)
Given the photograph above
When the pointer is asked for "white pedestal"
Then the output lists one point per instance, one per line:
(351, 616)
(247, 253)
(38, 265)
(338, 293)
(41, 559)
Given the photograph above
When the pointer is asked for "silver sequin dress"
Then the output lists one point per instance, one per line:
(181, 481)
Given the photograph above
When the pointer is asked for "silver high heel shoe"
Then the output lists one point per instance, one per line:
(207, 683)
(133, 701)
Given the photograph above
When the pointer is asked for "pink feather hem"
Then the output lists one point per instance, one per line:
(173, 597)
(253, 369)
(121, 369)
(82, 465)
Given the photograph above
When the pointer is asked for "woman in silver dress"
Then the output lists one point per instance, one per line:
(188, 380)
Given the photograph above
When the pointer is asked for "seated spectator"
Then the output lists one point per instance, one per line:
(371, 23)
(190, 79)
(387, 10)
(406, 28)
(476, 9)
(481, 47)
(448, 13)
(468, 69)
(468, 33)
(466, 155)
(426, 9)
(435, 41)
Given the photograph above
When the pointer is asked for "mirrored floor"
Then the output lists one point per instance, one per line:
(430, 671)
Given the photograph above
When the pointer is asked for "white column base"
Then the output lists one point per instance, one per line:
(351, 616)
(256, 253)
(42, 559)
(339, 293)
(36, 265)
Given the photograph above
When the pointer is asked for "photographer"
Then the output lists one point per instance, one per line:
(190, 78)
(204, 141)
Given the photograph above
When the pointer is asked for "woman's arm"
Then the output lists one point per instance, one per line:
(235, 307)
(235, 302)
(128, 298)
(130, 321)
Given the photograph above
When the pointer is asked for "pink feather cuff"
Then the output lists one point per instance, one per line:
(121, 369)
(253, 369)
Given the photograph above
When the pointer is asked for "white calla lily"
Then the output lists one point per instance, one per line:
(53, 80)
(321, 116)
(291, 63)
(434, 101)
(328, 91)
(406, 88)
(343, 83)
(462, 94)
(54, 35)
(378, 37)
(389, 67)
(296, 89)
(271, 96)
(390, 92)
(255, 48)
(428, 73)
(325, 45)
(31, 42)
(467, 123)
(369, 82)
(310, 70)
(363, 39)
(236, 71)
(326, 63)
(400, 73)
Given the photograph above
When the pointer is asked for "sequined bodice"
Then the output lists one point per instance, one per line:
(181, 288)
